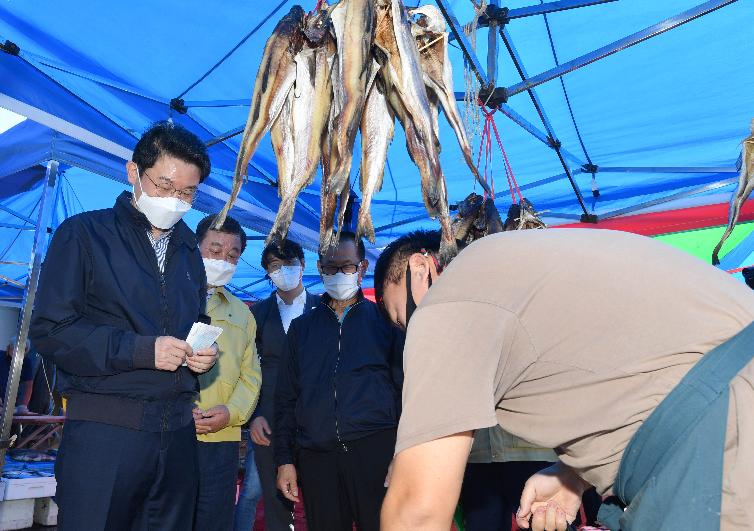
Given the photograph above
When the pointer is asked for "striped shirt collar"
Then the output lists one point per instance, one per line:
(160, 246)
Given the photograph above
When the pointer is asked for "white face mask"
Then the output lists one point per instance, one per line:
(162, 212)
(287, 277)
(219, 272)
(341, 286)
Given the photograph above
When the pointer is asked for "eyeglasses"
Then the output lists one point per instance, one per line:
(276, 267)
(166, 189)
(348, 269)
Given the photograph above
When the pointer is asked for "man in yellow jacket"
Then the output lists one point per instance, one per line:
(229, 392)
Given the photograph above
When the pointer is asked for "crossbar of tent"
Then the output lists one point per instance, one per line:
(672, 197)
(17, 215)
(401, 222)
(233, 50)
(7, 280)
(65, 127)
(529, 127)
(468, 51)
(552, 7)
(668, 169)
(614, 47)
(552, 139)
(222, 137)
(38, 249)
(14, 226)
(218, 103)
(38, 61)
(592, 169)
(492, 46)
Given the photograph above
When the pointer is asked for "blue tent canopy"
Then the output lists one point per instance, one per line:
(661, 120)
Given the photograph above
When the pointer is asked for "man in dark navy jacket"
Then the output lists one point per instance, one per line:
(338, 398)
(284, 265)
(120, 290)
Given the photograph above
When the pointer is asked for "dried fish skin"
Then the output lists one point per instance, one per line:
(742, 193)
(274, 79)
(432, 40)
(377, 129)
(354, 27)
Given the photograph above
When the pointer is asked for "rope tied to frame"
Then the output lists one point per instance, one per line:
(486, 144)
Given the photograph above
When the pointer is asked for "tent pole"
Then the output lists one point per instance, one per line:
(617, 46)
(552, 140)
(552, 7)
(678, 195)
(38, 249)
(528, 127)
(667, 169)
(468, 52)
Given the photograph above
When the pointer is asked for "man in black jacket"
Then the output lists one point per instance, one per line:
(338, 400)
(120, 289)
(284, 265)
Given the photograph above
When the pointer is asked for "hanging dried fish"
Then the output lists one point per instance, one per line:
(428, 29)
(403, 81)
(377, 128)
(354, 25)
(477, 217)
(743, 190)
(277, 72)
(523, 216)
(311, 100)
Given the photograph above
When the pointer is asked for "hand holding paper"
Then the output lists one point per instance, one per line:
(202, 339)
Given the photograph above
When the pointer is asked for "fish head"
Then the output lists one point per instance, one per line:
(469, 207)
(426, 19)
(292, 21)
(317, 25)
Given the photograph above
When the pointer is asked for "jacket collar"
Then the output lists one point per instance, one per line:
(325, 298)
(127, 213)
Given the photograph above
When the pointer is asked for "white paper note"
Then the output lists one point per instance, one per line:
(203, 335)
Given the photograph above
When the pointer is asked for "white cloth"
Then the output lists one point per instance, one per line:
(288, 312)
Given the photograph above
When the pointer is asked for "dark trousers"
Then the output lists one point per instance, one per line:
(347, 485)
(278, 511)
(218, 474)
(491, 493)
(112, 478)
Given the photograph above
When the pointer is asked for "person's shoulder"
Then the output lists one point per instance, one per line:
(259, 307)
(309, 319)
(237, 305)
(91, 219)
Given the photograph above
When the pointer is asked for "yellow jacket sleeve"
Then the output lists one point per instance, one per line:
(243, 401)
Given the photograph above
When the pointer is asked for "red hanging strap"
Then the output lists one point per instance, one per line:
(486, 145)
(317, 7)
(486, 142)
(508, 168)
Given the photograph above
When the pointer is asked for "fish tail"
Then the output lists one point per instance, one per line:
(365, 228)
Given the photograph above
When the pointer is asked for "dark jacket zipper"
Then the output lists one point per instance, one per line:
(337, 363)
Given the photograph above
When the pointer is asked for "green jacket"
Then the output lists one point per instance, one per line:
(495, 445)
(236, 378)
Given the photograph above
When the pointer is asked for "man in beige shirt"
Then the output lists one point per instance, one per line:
(569, 339)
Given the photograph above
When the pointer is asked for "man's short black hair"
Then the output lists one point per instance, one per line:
(231, 226)
(167, 138)
(391, 265)
(346, 236)
(288, 250)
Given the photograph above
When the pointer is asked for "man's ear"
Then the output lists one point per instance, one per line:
(132, 170)
(363, 269)
(419, 266)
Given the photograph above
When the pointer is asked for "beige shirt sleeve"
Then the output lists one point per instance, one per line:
(454, 365)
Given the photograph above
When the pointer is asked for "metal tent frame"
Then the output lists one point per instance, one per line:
(496, 18)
